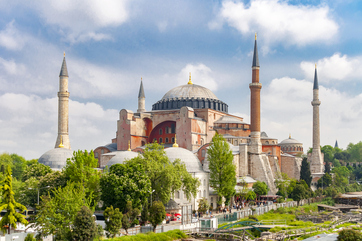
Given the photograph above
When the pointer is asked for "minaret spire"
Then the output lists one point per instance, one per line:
(141, 99)
(316, 164)
(255, 87)
(63, 108)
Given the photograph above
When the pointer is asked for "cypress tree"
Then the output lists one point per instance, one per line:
(305, 172)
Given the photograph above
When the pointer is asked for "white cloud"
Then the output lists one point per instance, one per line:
(10, 37)
(29, 124)
(286, 108)
(277, 21)
(336, 67)
(80, 19)
(200, 75)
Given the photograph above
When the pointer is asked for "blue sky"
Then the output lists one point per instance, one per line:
(110, 45)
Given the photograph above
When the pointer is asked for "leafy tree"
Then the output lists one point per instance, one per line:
(349, 235)
(28, 193)
(9, 204)
(144, 212)
(51, 182)
(36, 170)
(327, 167)
(29, 237)
(57, 213)
(166, 177)
(260, 188)
(129, 216)
(341, 175)
(81, 168)
(305, 172)
(282, 183)
(251, 195)
(123, 183)
(326, 181)
(203, 205)
(18, 166)
(222, 168)
(113, 220)
(299, 192)
(5, 161)
(157, 214)
(355, 151)
(84, 227)
(328, 152)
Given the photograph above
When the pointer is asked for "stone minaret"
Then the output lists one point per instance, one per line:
(63, 109)
(316, 165)
(255, 87)
(141, 99)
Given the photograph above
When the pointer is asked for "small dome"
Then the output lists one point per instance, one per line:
(263, 135)
(290, 141)
(189, 91)
(120, 157)
(191, 162)
(56, 158)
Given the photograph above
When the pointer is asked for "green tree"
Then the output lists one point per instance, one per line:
(260, 188)
(166, 177)
(355, 151)
(129, 216)
(203, 205)
(305, 173)
(123, 183)
(84, 226)
(282, 183)
(113, 220)
(81, 168)
(13, 209)
(327, 167)
(157, 214)
(222, 168)
(36, 170)
(349, 235)
(251, 195)
(56, 213)
(30, 237)
(326, 181)
(299, 192)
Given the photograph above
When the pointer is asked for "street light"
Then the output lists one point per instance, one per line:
(151, 196)
(39, 190)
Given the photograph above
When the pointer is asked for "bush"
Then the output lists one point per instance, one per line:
(253, 217)
(280, 200)
(349, 235)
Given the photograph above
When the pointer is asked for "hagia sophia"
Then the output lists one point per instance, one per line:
(185, 120)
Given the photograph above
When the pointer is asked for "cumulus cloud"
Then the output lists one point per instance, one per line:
(29, 124)
(200, 75)
(278, 21)
(10, 37)
(287, 109)
(80, 19)
(335, 68)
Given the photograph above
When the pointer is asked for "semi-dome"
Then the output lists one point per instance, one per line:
(56, 158)
(189, 91)
(191, 162)
(120, 157)
(191, 95)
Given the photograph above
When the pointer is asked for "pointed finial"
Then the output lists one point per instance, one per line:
(255, 35)
(64, 54)
(290, 136)
(175, 144)
(190, 82)
(129, 146)
(315, 65)
(141, 78)
(61, 142)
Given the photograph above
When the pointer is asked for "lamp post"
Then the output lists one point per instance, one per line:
(39, 191)
(151, 196)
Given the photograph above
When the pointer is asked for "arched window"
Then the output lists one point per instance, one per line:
(204, 182)
(160, 131)
(96, 154)
(173, 139)
(177, 194)
(235, 142)
(267, 142)
(102, 151)
(204, 193)
(160, 140)
(166, 140)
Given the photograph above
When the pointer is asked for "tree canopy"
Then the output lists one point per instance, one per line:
(260, 188)
(222, 168)
(165, 176)
(305, 173)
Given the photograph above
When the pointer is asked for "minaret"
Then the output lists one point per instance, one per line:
(141, 99)
(63, 108)
(255, 87)
(316, 165)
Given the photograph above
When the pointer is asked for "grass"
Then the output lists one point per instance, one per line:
(166, 236)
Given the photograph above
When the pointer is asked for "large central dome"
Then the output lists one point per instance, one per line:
(189, 91)
(194, 96)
